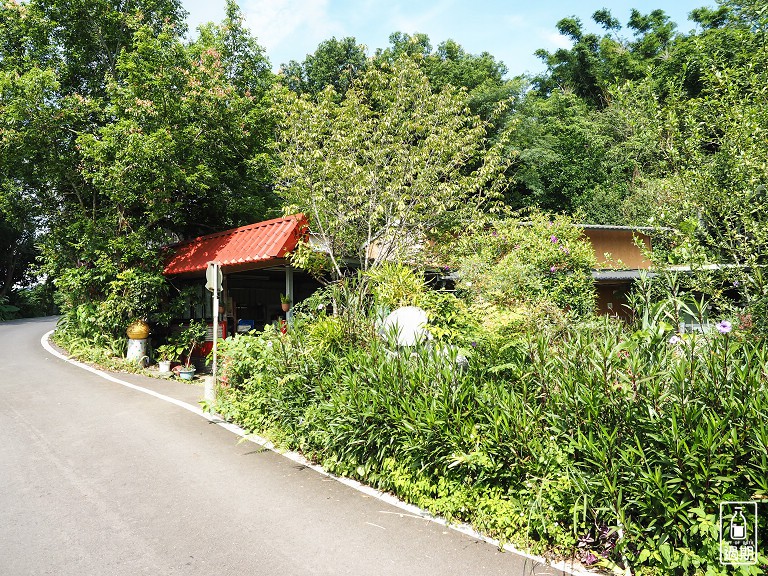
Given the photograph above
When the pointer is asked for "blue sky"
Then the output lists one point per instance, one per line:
(511, 31)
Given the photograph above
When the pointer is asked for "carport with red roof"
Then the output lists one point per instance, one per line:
(255, 267)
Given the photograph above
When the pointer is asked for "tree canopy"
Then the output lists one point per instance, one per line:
(335, 63)
(117, 135)
(386, 166)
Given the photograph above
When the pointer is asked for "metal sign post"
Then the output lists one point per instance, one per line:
(289, 293)
(213, 278)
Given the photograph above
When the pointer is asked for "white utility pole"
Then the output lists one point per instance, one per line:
(213, 277)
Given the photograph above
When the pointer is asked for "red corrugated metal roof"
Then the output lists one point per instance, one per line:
(236, 248)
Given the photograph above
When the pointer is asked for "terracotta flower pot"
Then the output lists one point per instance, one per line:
(285, 306)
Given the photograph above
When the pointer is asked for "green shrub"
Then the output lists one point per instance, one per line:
(7, 311)
(28, 302)
(541, 259)
(450, 320)
(609, 442)
(394, 285)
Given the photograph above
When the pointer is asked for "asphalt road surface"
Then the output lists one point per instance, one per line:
(98, 479)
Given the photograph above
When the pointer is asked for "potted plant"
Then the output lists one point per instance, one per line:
(285, 302)
(165, 355)
(185, 344)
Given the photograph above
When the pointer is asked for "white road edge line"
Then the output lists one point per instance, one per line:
(465, 529)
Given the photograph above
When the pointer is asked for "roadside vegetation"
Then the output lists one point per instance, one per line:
(523, 414)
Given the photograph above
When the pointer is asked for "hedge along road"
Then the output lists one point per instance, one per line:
(97, 478)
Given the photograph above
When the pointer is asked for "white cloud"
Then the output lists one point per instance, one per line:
(303, 23)
(515, 21)
(410, 21)
(555, 39)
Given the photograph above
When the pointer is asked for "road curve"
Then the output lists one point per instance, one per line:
(98, 479)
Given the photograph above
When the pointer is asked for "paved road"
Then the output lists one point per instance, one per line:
(98, 479)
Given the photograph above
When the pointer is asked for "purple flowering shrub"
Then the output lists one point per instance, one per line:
(528, 261)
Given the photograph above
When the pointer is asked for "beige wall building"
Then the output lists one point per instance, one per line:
(621, 254)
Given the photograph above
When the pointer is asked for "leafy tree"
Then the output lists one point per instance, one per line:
(482, 76)
(448, 64)
(568, 158)
(605, 133)
(338, 63)
(415, 46)
(27, 122)
(243, 61)
(17, 248)
(80, 44)
(187, 149)
(595, 62)
(576, 69)
(124, 138)
(56, 59)
(335, 63)
(653, 33)
(90, 35)
(709, 18)
(389, 164)
(750, 13)
(718, 197)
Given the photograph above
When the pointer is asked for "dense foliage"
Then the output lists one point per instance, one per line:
(616, 122)
(335, 63)
(611, 443)
(388, 165)
(111, 149)
(519, 262)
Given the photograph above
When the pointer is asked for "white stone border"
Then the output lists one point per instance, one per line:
(566, 567)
